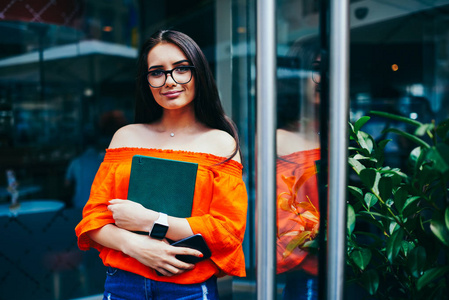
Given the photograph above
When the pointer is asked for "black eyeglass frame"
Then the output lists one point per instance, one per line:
(171, 74)
(316, 71)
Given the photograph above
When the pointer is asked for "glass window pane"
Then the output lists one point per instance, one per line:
(298, 148)
(67, 72)
(398, 65)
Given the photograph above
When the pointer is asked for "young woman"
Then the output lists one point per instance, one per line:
(178, 116)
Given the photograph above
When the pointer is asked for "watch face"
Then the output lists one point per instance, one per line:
(158, 231)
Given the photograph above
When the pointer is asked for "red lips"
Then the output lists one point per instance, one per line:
(172, 94)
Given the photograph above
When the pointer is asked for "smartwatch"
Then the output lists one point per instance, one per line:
(160, 227)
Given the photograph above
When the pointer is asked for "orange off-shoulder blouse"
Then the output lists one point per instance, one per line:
(297, 210)
(218, 212)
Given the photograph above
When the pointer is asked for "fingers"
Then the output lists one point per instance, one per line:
(117, 201)
(172, 266)
(187, 251)
(114, 201)
(174, 269)
(162, 257)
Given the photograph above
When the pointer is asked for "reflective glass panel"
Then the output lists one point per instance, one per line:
(66, 85)
(399, 75)
(298, 148)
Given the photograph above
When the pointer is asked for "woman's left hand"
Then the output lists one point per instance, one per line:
(131, 215)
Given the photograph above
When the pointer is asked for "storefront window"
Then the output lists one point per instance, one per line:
(398, 65)
(397, 55)
(67, 83)
(67, 73)
(67, 78)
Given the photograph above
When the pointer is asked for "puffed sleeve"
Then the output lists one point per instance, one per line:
(223, 227)
(95, 212)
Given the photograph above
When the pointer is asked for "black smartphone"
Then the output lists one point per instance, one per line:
(196, 242)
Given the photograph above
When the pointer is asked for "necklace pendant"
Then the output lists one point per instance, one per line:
(172, 134)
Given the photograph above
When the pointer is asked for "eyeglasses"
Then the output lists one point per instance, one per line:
(316, 68)
(180, 75)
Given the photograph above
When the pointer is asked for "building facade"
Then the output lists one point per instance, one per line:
(67, 83)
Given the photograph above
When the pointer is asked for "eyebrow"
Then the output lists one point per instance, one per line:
(175, 63)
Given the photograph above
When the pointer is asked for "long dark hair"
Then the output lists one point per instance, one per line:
(207, 104)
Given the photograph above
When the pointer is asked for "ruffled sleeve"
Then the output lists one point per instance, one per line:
(223, 226)
(218, 212)
(95, 212)
(297, 210)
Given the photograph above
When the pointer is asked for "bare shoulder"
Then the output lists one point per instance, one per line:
(125, 136)
(220, 143)
(289, 142)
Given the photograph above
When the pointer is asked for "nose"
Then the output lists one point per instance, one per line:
(170, 81)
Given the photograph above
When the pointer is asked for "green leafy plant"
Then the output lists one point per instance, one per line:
(398, 220)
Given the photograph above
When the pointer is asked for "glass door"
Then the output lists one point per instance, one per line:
(298, 148)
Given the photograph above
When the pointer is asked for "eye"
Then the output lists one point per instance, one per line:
(182, 69)
(156, 73)
(316, 66)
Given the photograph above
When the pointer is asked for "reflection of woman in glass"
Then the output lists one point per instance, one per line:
(297, 189)
(179, 117)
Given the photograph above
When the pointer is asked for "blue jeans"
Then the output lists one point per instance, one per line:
(126, 285)
(300, 285)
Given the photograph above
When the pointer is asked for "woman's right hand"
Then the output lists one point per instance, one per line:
(159, 255)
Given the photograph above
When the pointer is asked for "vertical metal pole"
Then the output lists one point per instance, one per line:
(266, 149)
(338, 146)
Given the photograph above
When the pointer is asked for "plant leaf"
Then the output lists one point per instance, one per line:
(351, 219)
(400, 196)
(396, 117)
(439, 230)
(430, 275)
(313, 244)
(442, 129)
(423, 129)
(381, 145)
(385, 187)
(370, 178)
(377, 215)
(308, 172)
(361, 157)
(370, 200)
(395, 178)
(355, 149)
(367, 217)
(394, 244)
(414, 156)
(410, 137)
(409, 201)
(446, 218)
(365, 141)
(439, 155)
(358, 193)
(360, 122)
(356, 165)
(407, 247)
(361, 257)
(306, 206)
(393, 171)
(297, 241)
(370, 281)
(393, 227)
(416, 261)
(352, 133)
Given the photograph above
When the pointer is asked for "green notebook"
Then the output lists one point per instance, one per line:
(163, 185)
